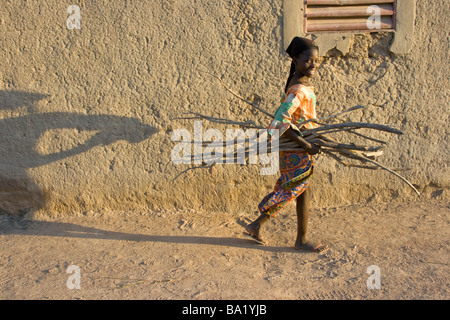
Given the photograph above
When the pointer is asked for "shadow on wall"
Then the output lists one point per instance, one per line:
(19, 137)
(10, 100)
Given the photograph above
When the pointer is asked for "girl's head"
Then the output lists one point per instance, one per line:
(305, 56)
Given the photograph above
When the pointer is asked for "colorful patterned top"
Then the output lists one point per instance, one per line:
(296, 167)
(297, 105)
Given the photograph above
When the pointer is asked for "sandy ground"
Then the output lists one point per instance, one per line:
(199, 255)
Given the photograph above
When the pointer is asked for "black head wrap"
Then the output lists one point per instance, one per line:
(295, 48)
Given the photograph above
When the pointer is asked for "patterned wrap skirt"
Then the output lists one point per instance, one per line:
(296, 169)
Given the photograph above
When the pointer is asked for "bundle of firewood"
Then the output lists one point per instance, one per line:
(364, 155)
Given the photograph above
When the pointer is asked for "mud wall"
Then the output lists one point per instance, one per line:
(86, 114)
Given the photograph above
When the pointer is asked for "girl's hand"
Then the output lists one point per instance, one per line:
(312, 149)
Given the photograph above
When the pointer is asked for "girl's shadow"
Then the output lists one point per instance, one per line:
(63, 229)
(18, 145)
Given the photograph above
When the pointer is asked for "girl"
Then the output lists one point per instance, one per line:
(296, 167)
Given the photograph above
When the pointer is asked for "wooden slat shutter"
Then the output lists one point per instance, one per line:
(347, 15)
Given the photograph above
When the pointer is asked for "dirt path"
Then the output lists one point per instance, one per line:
(198, 255)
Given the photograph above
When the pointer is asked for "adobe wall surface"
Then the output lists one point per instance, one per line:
(86, 115)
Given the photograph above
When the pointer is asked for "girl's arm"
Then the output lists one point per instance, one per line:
(283, 121)
(310, 148)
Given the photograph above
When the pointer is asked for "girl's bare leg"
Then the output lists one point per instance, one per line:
(302, 242)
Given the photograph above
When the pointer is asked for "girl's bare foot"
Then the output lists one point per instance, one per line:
(253, 228)
(252, 231)
(310, 246)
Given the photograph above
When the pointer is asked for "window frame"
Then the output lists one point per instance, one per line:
(293, 20)
(355, 31)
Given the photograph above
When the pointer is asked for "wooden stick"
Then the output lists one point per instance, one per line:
(316, 135)
(381, 166)
(237, 95)
(357, 107)
(367, 137)
(192, 168)
(354, 125)
(353, 165)
(247, 124)
(344, 146)
(369, 151)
